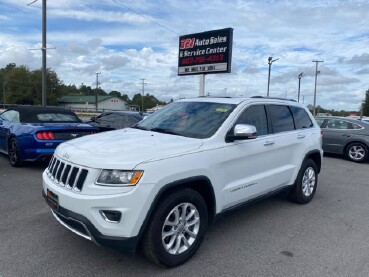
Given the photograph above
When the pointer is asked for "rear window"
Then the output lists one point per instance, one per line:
(57, 117)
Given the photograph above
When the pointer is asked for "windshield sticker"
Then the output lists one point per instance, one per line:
(221, 110)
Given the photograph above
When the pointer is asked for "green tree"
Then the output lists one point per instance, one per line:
(23, 86)
(126, 99)
(71, 90)
(115, 93)
(149, 101)
(366, 104)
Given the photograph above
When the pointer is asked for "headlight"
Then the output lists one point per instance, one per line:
(118, 177)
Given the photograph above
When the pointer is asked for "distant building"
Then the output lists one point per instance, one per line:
(105, 102)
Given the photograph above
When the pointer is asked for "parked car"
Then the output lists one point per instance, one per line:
(345, 136)
(160, 183)
(31, 133)
(114, 120)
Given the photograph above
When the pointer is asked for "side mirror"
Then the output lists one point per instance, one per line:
(93, 119)
(242, 132)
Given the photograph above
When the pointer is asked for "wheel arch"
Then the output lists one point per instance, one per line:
(316, 157)
(201, 184)
(9, 136)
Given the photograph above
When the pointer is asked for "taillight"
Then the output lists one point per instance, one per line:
(93, 132)
(45, 135)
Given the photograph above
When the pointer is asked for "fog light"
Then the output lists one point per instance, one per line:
(111, 216)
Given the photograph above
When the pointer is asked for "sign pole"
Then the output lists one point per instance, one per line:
(202, 85)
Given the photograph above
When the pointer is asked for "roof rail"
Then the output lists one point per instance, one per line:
(278, 98)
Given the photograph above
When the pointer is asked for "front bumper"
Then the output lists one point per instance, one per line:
(83, 227)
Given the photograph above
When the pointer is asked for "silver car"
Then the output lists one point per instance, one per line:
(345, 136)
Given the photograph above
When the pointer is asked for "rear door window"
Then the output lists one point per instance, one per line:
(302, 119)
(337, 124)
(281, 118)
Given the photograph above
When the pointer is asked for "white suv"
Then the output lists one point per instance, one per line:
(161, 182)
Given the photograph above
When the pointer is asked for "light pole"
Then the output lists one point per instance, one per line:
(270, 61)
(96, 92)
(298, 93)
(142, 94)
(316, 75)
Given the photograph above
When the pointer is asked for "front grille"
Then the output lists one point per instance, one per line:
(67, 175)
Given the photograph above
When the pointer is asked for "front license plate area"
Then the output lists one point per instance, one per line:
(52, 200)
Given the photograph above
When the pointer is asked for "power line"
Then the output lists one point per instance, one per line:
(147, 18)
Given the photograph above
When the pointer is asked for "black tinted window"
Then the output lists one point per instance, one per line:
(281, 117)
(302, 119)
(255, 115)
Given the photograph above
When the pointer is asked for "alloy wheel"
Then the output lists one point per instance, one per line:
(356, 152)
(13, 151)
(180, 228)
(308, 181)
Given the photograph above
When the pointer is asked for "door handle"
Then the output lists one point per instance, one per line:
(346, 135)
(300, 136)
(267, 143)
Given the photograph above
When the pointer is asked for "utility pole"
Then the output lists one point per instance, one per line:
(316, 76)
(44, 71)
(270, 61)
(298, 93)
(43, 50)
(143, 94)
(96, 92)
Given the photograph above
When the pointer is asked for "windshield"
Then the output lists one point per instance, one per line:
(189, 119)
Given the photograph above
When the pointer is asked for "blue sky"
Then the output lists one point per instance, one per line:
(120, 39)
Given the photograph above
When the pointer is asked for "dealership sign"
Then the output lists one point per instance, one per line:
(207, 52)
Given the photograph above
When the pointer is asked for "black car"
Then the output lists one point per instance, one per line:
(108, 121)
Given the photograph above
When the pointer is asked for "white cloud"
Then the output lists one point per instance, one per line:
(125, 46)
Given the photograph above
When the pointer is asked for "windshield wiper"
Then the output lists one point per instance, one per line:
(164, 131)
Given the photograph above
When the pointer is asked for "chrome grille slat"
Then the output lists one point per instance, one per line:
(67, 175)
(76, 180)
(55, 169)
(59, 172)
(52, 165)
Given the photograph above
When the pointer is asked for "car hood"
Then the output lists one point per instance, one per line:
(125, 148)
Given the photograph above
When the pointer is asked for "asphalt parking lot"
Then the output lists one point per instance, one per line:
(327, 237)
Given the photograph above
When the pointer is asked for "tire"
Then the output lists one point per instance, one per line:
(14, 153)
(306, 183)
(357, 152)
(177, 228)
